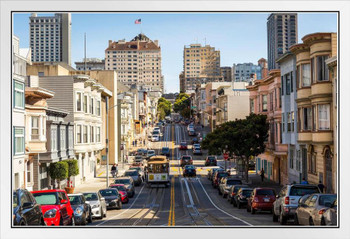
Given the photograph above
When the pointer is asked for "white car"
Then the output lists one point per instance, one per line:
(97, 203)
(155, 138)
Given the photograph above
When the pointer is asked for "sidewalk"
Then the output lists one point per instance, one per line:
(255, 181)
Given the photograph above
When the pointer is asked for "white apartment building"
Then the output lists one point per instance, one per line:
(137, 61)
(50, 37)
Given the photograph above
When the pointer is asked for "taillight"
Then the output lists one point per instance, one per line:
(321, 211)
(256, 199)
(233, 194)
(286, 200)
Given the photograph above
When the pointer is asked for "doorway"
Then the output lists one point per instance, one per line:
(328, 170)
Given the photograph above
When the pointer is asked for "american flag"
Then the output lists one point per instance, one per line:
(138, 21)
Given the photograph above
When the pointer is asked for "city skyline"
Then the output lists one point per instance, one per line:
(209, 28)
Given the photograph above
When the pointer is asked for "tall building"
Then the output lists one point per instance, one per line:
(91, 64)
(242, 72)
(226, 73)
(201, 65)
(282, 32)
(137, 61)
(50, 38)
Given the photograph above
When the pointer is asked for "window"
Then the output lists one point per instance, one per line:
(85, 103)
(264, 102)
(63, 139)
(92, 105)
(283, 121)
(98, 108)
(251, 105)
(291, 157)
(322, 69)
(271, 101)
(19, 140)
(78, 101)
(305, 75)
(282, 84)
(312, 160)
(18, 95)
(324, 117)
(288, 84)
(78, 129)
(289, 124)
(53, 139)
(292, 120)
(98, 134)
(28, 172)
(92, 134)
(307, 114)
(291, 82)
(34, 128)
(85, 134)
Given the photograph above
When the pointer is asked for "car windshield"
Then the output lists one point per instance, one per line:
(211, 158)
(189, 167)
(90, 196)
(121, 188)
(183, 143)
(301, 191)
(138, 169)
(131, 173)
(247, 193)
(122, 181)
(15, 201)
(186, 157)
(108, 193)
(222, 174)
(327, 199)
(151, 152)
(234, 182)
(165, 149)
(75, 200)
(46, 198)
(266, 192)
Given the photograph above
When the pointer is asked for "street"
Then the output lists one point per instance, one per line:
(187, 201)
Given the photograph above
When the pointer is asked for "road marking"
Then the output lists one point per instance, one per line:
(171, 219)
(125, 210)
(239, 219)
(188, 192)
(101, 174)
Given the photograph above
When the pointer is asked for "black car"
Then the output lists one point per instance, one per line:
(240, 199)
(189, 171)
(251, 165)
(112, 197)
(26, 211)
(165, 151)
(195, 140)
(211, 161)
(211, 173)
(82, 209)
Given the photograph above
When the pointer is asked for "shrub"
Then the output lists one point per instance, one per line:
(58, 171)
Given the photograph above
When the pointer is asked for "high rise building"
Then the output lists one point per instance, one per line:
(137, 61)
(201, 65)
(50, 38)
(282, 32)
(244, 71)
(226, 73)
(90, 64)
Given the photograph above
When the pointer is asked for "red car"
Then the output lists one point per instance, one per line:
(55, 206)
(261, 199)
(122, 191)
(183, 145)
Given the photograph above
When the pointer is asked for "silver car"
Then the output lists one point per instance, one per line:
(310, 210)
(330, 215)
(135, 175)
(97, 203)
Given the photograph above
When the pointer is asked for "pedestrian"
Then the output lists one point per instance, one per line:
(262, 174)
(144, 142)
(135, 143)
(304, 181)
(321, 186)
(114, 170)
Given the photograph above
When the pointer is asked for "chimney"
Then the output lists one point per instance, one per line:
(156, 42)
(109, 43)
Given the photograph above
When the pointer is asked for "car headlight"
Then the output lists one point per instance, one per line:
(95, 206)
(78, 211)
(50, 213)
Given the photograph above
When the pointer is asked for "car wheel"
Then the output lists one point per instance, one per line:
(119, 205)
(239, 205)
(248, 208)
(234, 203)
(101, 213)
(252, 210)
(42, 222)
(311, 222)
(296, 221)
(90, 217)
(224, 195)
(274, 216)
(219, 192)
(61, 221)
(282, 218)
(323, 222)
(72, 221)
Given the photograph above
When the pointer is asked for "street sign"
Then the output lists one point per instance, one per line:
(225, 156)
(194, 107)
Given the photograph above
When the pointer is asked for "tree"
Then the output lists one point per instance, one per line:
(244, 138)
(163, 108)
(58, 171)
(182, 105)
(73, 170)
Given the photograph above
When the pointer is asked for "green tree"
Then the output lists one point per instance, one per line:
(73, 169)
(182, 105)
(58, 171)
(163, 108)
(244, 138)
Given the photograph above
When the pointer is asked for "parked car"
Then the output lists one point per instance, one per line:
(55, 206)
(128, 183)
(82, 209)
(226, 184)
(287, 200)
(210, 161)
(138, 159)
(183, 145)
(261, 199)
(241, 198)
(122, 191)
(197, 150)
(211, 173)
(165, 151)
(192, 132)
(112, 197)
(189, 171)
(310, 210)
(330, 215)
(26, 211)
(150, 153)
(217, 177)
(155, 137)
(233, 191)
(195, 140)
(186, 160)
(135, 175)
(139, 170)
(97, 203)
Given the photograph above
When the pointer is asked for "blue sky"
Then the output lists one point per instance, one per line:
(241, 37)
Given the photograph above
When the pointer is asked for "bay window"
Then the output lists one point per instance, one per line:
(63, 138)
(34, 128)
(18, 95)
(289, 125)
(324, 121)
(53, 139)
(92, 105)
(79, 98)
(305, 75)
(78, 129)
(19, 140)
(264, 103)
(322, 69)
(307, 116)
(92, 134)
(85, 134)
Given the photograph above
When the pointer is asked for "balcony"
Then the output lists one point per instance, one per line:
(304, 137)
(303, 94)
(324, 137)
(281, 149)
